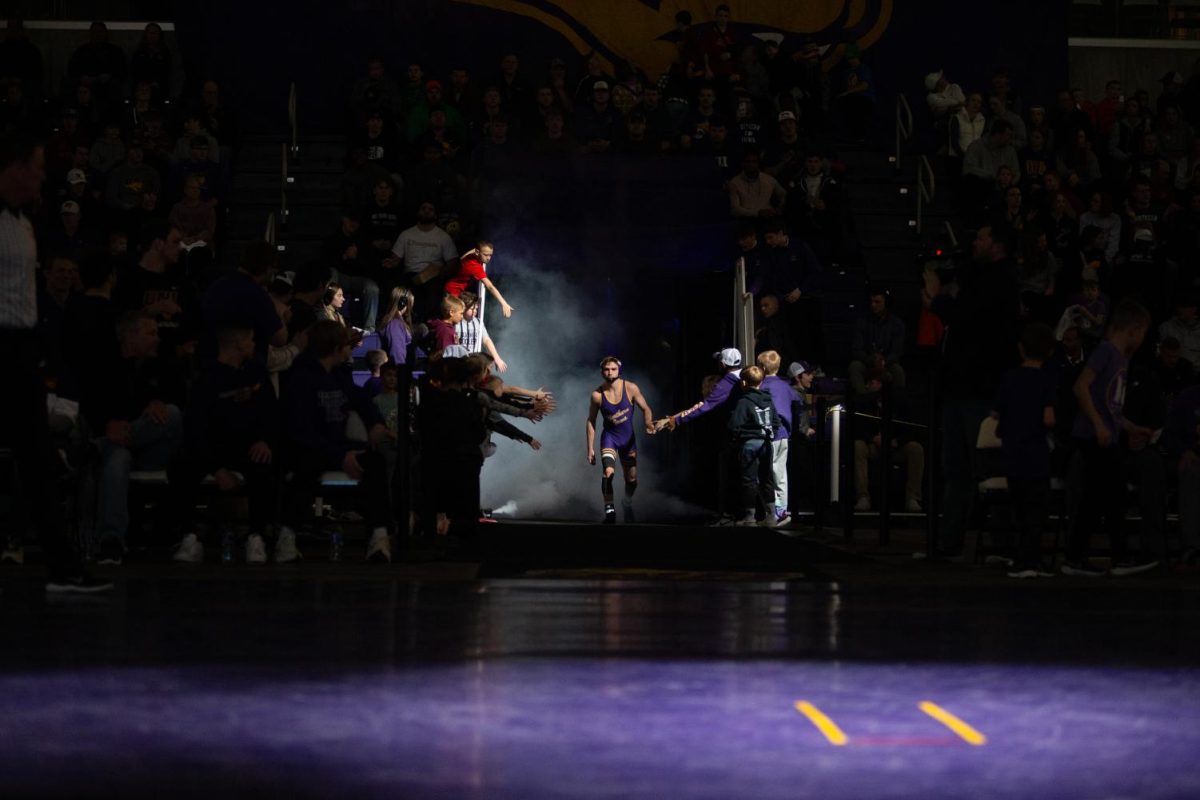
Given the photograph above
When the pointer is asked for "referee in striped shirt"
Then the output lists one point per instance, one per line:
(24, 427)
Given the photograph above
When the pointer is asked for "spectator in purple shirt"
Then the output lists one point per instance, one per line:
(1096, 478)
(395, 326)
(722, 396)
(782, 396)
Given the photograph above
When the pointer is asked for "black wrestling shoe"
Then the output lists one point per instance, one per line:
(610, 514)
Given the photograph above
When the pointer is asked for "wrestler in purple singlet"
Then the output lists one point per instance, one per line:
(617, 436)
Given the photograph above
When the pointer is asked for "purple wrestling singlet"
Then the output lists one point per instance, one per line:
(617, 439)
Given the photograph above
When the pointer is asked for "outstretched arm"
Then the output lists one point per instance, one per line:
(635, 394)
(593, 409)
(490, 346)
(536, 394)
(717, 398)
(505, 308)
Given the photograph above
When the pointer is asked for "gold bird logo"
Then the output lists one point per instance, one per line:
(642, 32)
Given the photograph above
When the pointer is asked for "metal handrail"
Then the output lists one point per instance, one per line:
(904, 125)
(269, 235)
(292, 125)
(284, 180)
(953, 239)
(743, 314)
(926, 188)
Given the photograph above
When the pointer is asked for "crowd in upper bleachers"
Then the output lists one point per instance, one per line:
(1085, 213)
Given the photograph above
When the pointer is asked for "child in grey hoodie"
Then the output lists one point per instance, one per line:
(753, 424)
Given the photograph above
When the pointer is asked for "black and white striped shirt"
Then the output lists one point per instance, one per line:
(18, 272)
(471, 333)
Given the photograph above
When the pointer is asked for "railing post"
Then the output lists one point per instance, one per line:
(885, 458)
(284, 180)
(846, 473)
(292, 123)
(743, 314)
(933, 461)
(402, 478)
(896, 157)
(904, 125)
(920, 200)
(926, 189)
(820, 490)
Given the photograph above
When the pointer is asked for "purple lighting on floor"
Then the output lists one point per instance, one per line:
(603, 728)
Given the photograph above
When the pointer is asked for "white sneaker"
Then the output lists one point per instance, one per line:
(379, 549)
(862, 505)
(189, 550)
(913, 506)
(285, 546)
(256, 549)
(747, 521)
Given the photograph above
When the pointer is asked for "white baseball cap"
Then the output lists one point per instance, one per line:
(729, 357)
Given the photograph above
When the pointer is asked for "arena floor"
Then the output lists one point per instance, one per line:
(577, 662)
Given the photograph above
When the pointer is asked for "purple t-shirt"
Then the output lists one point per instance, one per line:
(395, 338)
(1107, 391)
(782, 397)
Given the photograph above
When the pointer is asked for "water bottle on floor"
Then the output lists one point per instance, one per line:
(336, 542)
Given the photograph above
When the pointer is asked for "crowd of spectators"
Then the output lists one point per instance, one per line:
(1084, 252)
(1080, 213)
(163, 359)
(432, 149)
(1081, 220)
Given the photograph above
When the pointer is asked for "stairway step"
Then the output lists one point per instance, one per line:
(251, 218)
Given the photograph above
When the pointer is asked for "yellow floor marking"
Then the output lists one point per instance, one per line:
(965, 731)
(825, 725)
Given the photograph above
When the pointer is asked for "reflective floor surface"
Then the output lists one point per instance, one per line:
(811, 676)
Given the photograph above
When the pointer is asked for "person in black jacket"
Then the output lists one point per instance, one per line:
(868, 445)
(319, 401)
(753, 424)
(981, 335)
(230, 431)
(128, 403)
(348, 253)
(89, 324)
(451, 430)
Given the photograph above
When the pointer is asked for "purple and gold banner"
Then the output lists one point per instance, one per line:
(642, 32)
